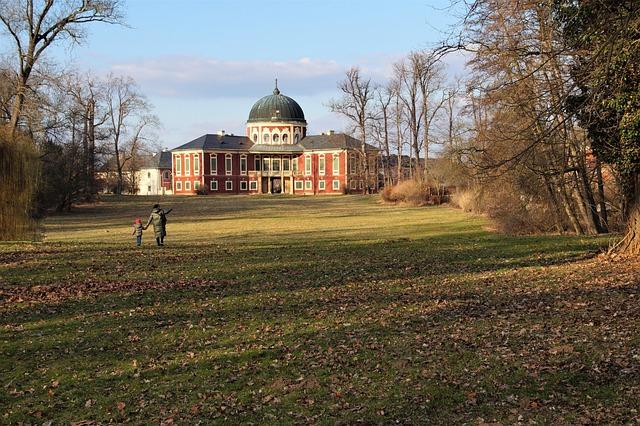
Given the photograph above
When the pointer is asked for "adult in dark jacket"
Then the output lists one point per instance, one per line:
(158, 218)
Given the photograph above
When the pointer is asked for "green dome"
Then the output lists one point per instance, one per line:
(276, 107)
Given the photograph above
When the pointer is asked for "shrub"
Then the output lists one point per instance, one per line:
(412, 192)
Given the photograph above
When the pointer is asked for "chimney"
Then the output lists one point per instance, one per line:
(331, 132)
(220, 132)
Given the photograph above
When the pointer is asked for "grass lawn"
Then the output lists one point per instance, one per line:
(313, 310)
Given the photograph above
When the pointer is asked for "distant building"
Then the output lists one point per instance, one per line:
(275, 156)
(153, 175)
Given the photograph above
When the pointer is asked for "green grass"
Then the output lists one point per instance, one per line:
(312, 310)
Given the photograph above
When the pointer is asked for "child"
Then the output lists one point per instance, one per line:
(137, 231)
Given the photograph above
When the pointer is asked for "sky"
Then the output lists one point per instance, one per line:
(203, 64)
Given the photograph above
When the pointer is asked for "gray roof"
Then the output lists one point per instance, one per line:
(276, 107)
(333, 141)
(284, 148)
(157, 160)
(221, 142)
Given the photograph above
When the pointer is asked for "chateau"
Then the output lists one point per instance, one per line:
(274, 156)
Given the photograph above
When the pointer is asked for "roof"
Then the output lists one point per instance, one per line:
(221, 142)
(276, 107)
(333, 141)
(260, 148)
(157, 160)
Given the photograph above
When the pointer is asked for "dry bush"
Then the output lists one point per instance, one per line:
(413, 192)
(19, 173)
(466, 199)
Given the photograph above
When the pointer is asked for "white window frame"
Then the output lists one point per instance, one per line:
(275, 161)
(287, 161)
(196, 185)
(352, 164)
(253, 185)
(336, 164)
(321, 164)
(228, 159)
(178, 159)
(352, 184)
(266, 161)
(187, 185)
(285, 138)
(213, 185)
(308, 185)
(275, 138)
(213, 164)
(294, 164)
(266, 138)
(336, 185)
(257, 163)
(321, 186)
(178, 185)
(307, 171)
(196, 165)
(298, 185)
(228, 185)
(187, 165)
(243, 185)
(243, 162)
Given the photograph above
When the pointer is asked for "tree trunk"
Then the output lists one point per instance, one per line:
(604, 220)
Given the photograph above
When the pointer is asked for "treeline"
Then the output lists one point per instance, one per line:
(543, 133)
(60, 127)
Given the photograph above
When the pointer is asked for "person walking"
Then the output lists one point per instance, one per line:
(158, 219)
(137, 231)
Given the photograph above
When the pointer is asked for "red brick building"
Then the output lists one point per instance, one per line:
(275, 156)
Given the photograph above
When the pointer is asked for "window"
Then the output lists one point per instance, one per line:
(257, 164)
(196, 165)
(307, 184)
(265, 138)
(298, 185)
(321, 185)
(265, 165)
(243, 185)
(321, 164)
(243, 165)
(294, 165)
(228, 185)
(352, 163)
(285, 138)
(361, 185)
(255, 138)
(276, 138)
(228, 164)
(149, 188)
(336, 164)
(165, 175)
(352, 184)
(178, 162)
(275, 164)
(187, 165)
(213, 185)
(178, 186)
(253, 185)
(307, 165)
(196, 184)
(296, 138)
(214, 164)
(187, 185)
(148, 175)
(336, 185)
(286, 164)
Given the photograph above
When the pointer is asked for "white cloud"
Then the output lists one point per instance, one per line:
(193, 76)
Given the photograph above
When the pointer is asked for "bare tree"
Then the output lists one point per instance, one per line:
(381, 127)
(34, 25)
(356, 104)
(129, 119)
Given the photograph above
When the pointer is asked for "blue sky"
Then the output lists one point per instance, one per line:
(203, 64)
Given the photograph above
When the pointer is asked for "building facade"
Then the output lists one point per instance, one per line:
(275, 156)
(153, 177)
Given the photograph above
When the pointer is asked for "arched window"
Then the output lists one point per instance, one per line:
(276, 138)
(255, 138)
(285, 138)
(265, 138)
(296, 138)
